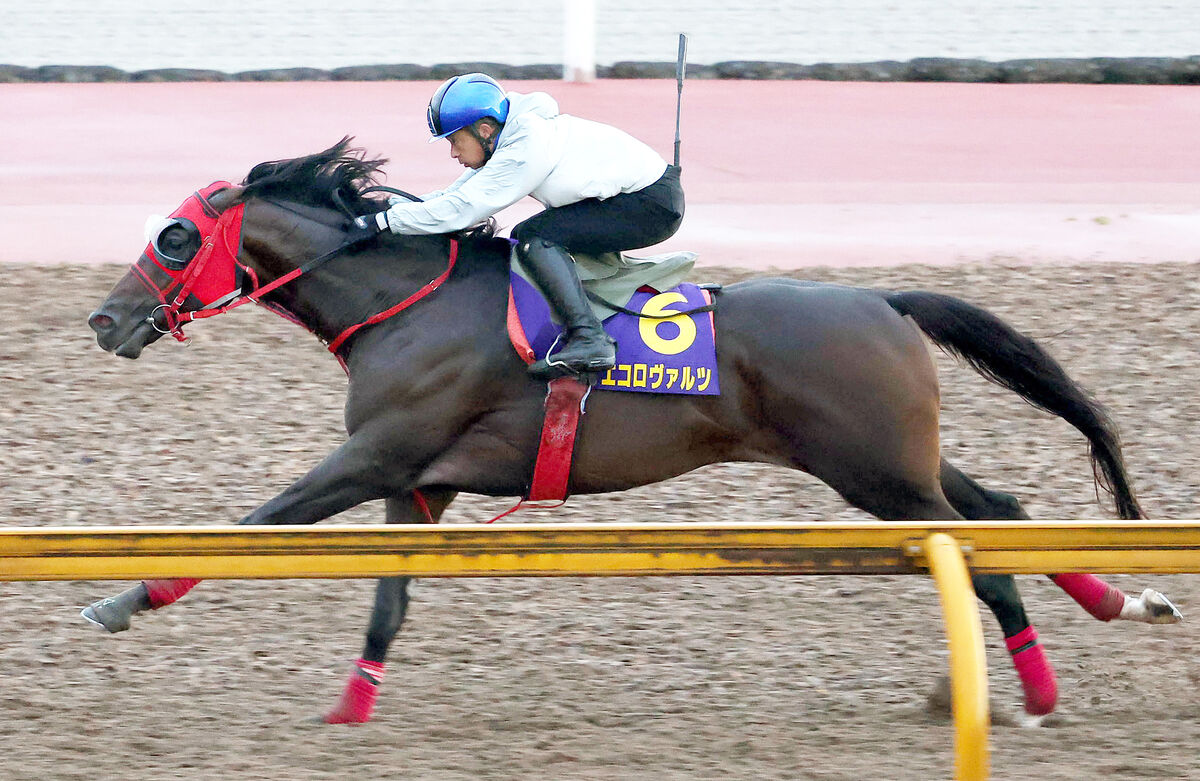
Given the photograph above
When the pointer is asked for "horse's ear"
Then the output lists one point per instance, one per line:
(223, 199)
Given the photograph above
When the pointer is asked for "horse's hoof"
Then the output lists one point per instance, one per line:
(336, 718)
(1045, 721)
(107, 614)
(938, 703)
(1152, 607)
(1161, 609)
(1029, 721)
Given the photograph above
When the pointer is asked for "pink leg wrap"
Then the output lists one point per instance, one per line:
(164, 592)
(358, 699)
(1102, 600)
(1034, 670)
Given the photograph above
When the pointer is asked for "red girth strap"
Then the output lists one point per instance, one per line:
(565, 397)
(564, 405)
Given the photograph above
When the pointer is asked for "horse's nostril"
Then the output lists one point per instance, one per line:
(99, 322)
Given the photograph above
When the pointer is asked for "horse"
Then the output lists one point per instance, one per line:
(832, 380)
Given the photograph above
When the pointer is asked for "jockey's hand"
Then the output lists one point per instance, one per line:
(366, 228)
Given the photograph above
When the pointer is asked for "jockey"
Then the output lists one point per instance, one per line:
(604, 191)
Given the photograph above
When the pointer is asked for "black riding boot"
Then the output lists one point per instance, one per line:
(588, 348)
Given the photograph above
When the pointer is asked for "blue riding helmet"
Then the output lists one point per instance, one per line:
(464, 99)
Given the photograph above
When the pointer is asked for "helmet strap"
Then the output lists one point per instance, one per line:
(488, 145)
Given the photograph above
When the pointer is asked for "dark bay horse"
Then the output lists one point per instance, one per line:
(831, 380)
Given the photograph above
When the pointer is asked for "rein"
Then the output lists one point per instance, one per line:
(335, 344)
(428, 288)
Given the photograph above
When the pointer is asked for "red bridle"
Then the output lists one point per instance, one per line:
(212, 284)
(215, 276)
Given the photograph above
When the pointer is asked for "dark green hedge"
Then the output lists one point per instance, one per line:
(1094, 70)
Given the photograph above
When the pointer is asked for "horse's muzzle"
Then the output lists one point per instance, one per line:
(123, 342)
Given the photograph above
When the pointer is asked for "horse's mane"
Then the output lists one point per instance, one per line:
(313, 179)
(341, 171)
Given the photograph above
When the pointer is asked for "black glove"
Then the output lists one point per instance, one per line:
(366, 228)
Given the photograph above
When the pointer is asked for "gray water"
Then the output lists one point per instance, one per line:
(236, 35)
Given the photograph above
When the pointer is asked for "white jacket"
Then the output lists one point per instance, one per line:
(556, 158)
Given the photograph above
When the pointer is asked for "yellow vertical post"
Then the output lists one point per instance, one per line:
(968, 664)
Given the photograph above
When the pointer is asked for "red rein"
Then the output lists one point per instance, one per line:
(429, 287)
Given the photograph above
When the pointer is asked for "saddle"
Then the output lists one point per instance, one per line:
(636, 300)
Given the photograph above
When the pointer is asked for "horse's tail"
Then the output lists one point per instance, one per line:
(1014, 361)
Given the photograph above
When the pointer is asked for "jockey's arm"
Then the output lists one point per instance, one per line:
(429, 196)
(513, 172)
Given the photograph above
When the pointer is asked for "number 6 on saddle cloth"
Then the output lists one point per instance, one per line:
(658, 351)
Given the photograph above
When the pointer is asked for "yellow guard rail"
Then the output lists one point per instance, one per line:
(944, 550)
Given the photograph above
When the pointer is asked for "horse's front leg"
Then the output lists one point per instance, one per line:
(349, 476)
(391, 604)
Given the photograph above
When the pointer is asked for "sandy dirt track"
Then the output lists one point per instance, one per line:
(653, 678)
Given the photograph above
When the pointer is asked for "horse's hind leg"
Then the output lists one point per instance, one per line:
(391, 604)
(999, 592)
(1102, 600)
(1107, 602)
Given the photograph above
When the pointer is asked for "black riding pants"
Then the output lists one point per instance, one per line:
(623, 222)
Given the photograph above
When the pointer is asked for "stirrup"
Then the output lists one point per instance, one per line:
(585, 366)
(550, 368)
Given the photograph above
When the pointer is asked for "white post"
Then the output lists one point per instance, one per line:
(579, 40)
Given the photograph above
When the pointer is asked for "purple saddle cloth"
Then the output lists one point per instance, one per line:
(676, 355)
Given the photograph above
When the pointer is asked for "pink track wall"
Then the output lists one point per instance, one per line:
(777, 173)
